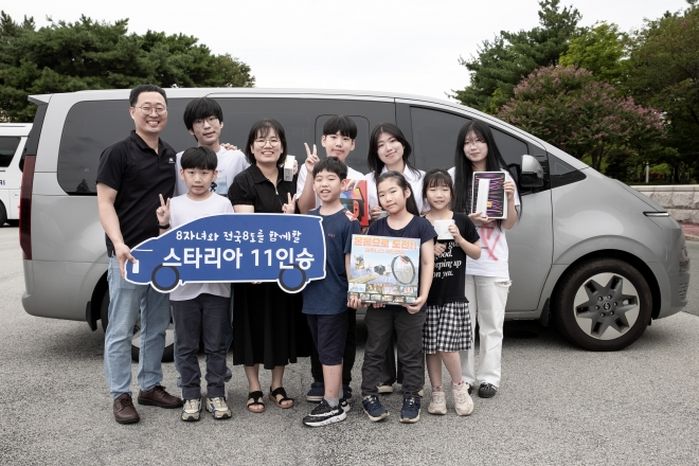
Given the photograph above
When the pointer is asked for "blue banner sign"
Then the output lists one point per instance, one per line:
(288, 249)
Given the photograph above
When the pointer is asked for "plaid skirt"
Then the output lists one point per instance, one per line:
(447, 328)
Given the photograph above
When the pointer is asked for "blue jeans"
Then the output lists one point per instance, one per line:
(128, 302)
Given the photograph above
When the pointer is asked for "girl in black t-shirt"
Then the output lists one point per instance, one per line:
(447, 327)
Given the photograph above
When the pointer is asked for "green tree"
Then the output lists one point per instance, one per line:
(87, 54)
(665, 74)
(502, 63)
(601, 49)
(587, 118)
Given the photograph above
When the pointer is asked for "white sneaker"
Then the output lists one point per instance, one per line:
(218, 407)
(191, 410)
(462, 400)
(438, 403)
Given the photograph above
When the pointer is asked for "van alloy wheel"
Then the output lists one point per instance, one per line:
(603, 304)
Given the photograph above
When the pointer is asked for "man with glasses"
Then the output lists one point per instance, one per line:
(132, 174)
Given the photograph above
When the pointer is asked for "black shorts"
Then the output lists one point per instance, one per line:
(329, 333)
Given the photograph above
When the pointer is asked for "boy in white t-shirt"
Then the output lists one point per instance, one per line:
(200, 310)
(203, 118)
(338, 140)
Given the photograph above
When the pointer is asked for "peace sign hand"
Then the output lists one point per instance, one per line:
(311, 157)
(163, 212)
(290, 206)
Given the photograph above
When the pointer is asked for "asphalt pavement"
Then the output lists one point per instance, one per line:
(557, 405)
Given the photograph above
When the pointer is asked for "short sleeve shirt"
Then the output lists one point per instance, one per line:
(230, 163)
(450, 266)
(253, 188)
(138, 174)
(329, 296)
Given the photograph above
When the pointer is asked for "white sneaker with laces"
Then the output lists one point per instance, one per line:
(438, 403)
(191, 410)
(218, 407)
(462, 400)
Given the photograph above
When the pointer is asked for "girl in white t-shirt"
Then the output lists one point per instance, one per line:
(488, 278)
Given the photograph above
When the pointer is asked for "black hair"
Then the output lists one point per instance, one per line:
(141, 88)
(373, 159)
(342, 124)
(332, 165)
(410, 203)
(437, 177)
(463, 168)
(262, 128)
(201, 158)
(199, 109)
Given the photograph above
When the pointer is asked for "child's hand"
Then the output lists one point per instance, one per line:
(480, 219)
(163, 212)
(376, 213)
(354, 302)
(290, 206)
(311, 158)
(454, 230)
(439, 249)
(509, 190)
(229, 146)
(415, 307)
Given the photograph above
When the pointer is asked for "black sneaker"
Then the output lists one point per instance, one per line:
(324, 414)
(345, 405)
(410, 412)
(373, 408)
(346, 392)
(487, 390)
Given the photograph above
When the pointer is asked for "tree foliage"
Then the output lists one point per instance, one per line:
(503, 62)
(665, 64)
(601, 49)
(87, 54)
(586, 117)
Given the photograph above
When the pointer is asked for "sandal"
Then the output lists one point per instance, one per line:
(255, 402)
(284, 402)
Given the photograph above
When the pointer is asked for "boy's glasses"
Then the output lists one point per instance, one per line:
(148, 109)
(210, 120)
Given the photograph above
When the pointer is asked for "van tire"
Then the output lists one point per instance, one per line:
(3, 214)
(168, 352)
(603, 305)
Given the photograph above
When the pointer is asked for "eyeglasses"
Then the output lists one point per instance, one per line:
(210, 120)
(263, 142)
(147, 109)
(468, 142)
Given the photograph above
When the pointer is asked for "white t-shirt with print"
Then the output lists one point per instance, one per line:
(183, 210)
(230, 163)
(494, 251)
(414, 178)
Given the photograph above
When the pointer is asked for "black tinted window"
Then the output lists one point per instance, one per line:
(434, 137)
(357, 158)
(8, 146)
(90, 127)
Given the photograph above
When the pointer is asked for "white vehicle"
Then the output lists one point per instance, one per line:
(13, 137)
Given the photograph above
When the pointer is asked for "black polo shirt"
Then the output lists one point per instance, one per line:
(138, 174)
(251, 187)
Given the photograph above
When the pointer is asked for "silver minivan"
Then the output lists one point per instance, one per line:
(589, 254)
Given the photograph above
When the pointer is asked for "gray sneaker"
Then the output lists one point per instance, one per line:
(191, 410)
(218, 407)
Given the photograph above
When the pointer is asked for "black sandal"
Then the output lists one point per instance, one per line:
(279, 391)
(255, 399)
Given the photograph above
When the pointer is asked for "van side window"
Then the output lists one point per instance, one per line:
(434, 137)
(8, 147)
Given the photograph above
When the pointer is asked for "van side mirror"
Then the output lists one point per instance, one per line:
(532, 174)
